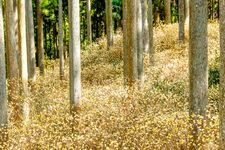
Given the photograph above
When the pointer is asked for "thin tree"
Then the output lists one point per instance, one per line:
(181, 20)
(167, 6)
(187, 12)
(198, 68)
(89, 28)
(12, 60)
(61, 53)
(222, 75)
(150, 29)
(125, 52)
(140, 42)
(145, 25)
(40, 42)
(23, 58)
(3, 96)
(131, 42)
(74, 52)
(109, 23)
(31, 50)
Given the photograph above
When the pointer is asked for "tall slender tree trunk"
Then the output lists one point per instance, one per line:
(61, 53)
(187, 12)
(145, 25)
(75, 62)
(125, 51)
(12, 60)
(109, 23)
(89, 27)
(3, 96)
(150, 29)
(167, 4)
(131, 42)
(222, 75)
(140, 43)
(23, 58)
(198, 68)
(30, 42)
(181, 20)
(40, 42)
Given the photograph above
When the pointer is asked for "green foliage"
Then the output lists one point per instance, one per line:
(214, 74)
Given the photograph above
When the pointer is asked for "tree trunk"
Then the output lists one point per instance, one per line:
(109, 23)
(40, 42)
(150, 29)
(125, 52)
(145, 25)
(30, 42)
(140, 43)
(89, 28)
(3, 97)
(131, 42)
(12, 58)
(181, 20)
(187, 12)
(167, 11)
(61, 66)
(23, 59)
(75, 62)
(198, 68)
(222, 75)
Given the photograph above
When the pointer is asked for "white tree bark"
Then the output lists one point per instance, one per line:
(75, 60)
(150, 29)
(89, 28)
(23, 58)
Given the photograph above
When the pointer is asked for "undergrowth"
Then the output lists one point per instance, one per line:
(110, 116)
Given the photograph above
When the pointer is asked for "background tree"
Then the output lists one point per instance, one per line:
(140, 42)
(187, 12)
(89, 26)
(61, 53)
(109, 23)
(198, 67)
(40, 38)
(222, 75)
(167, 4)
(125, 51)
(23, 58)
(31, 50)
(75, 62)
(150, 29)
(3, 96)
(181, 19)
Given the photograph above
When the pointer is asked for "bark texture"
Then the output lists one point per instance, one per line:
(131, 41)
(150, 29)
(167, 11)
(40, 42)
(31, 50)
(222, 75)
(140, 43)
(198, 67)
(23, 59)
(75, 62)
(109, 23)
(181, 20)
(125, 51)
(61, 53)
(3, 96)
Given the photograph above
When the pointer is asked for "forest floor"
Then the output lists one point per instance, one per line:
(154, 118)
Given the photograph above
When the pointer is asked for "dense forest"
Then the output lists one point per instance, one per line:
(112, 74)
